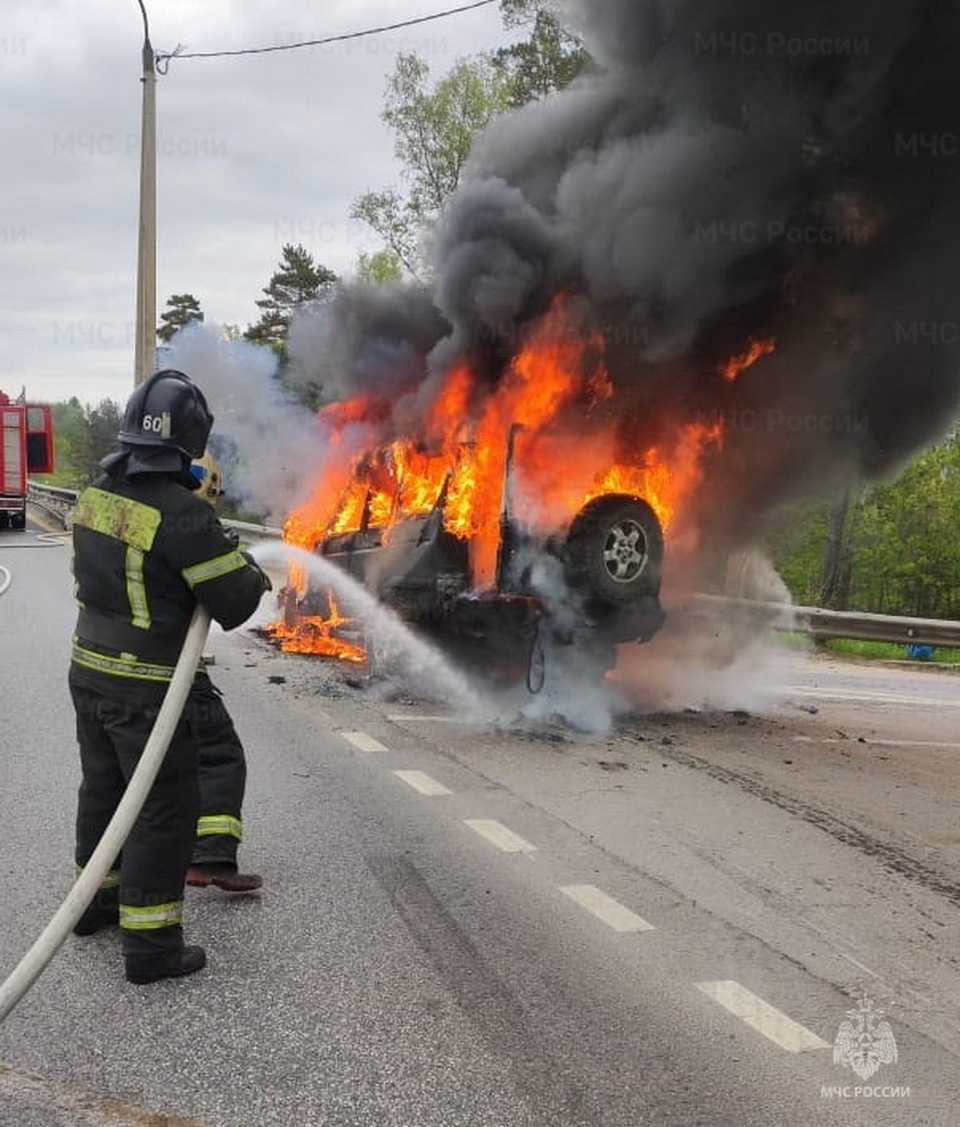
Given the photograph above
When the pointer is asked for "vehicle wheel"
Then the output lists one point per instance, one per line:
(18, 520)
(615, 549)
(536, 666)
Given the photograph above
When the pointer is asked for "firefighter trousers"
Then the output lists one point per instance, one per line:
(113, 726)
(223, 779)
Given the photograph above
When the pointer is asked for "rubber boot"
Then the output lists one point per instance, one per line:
(222, 875)
(103, 911)
(142, 969)
(159, 953)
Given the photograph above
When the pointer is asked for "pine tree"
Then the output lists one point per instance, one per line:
(182, 308)
(298, 280)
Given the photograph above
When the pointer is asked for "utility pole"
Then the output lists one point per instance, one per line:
(146, 327)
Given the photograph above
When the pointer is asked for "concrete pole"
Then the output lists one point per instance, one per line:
(146, 327)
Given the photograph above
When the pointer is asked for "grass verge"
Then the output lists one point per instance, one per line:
(850, 647)
(885, 651)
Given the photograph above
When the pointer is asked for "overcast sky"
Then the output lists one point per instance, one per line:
(253, 152)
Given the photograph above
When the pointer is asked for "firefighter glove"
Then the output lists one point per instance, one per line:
(264, 578)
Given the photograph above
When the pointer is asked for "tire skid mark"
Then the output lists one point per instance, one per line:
(493, 1010)
(892, 857)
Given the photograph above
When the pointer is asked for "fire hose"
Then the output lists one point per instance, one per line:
(34, 962)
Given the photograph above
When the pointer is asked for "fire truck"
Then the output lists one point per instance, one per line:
(26, 447)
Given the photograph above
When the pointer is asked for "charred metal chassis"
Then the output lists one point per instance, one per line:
(423, 571)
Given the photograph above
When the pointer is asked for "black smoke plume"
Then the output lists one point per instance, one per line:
(728, 171)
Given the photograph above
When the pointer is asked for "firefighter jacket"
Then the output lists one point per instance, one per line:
(146, 550)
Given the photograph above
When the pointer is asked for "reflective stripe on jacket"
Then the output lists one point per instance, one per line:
(146, 549)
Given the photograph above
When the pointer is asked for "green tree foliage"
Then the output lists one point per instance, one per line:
(298, 280)
(516, 12)
(550, 59)
(380, 267)
(69, 442)
(182, 308)
(836, 568)
(901, 542)
(392, 217)
(82, 436)
(797, 548)
(434, 128)
(103, 422)
(908, 556)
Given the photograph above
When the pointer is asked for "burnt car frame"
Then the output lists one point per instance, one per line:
(583, 589)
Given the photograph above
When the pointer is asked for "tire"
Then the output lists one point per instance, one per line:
(18, 520)
(614, 550)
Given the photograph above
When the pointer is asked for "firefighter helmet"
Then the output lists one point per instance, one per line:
(167, 410)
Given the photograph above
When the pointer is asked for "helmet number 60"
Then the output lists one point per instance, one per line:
(156, 424)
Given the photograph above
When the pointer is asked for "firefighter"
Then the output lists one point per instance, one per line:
(223, 765)
(146, 551)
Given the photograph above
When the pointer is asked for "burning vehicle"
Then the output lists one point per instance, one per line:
(511, 521)
(693, 287)
(594, 583)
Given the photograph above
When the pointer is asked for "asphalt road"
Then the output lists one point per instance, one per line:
(660, 915)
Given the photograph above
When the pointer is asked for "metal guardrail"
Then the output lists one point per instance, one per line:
(878, 627)
(815, 621)
(825, 624)
(57, 502)
(60, 503)
(53, 492)
(252, 533)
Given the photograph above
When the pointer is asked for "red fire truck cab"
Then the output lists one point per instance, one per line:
(26, 447)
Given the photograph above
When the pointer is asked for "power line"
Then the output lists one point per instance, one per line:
(165, 57)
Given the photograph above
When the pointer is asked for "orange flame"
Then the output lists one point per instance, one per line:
(567, 450)
(746, 359)
(315, 634)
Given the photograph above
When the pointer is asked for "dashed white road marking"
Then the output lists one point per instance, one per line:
(900, 700)
(425, 718)
(762, 1017)
(498, 834)
(605, 908)
(874, 742)
(422, 782)
(362, 742)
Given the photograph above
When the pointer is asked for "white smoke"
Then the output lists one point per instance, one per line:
(716, 655)
(704, 667)
(276, 449)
